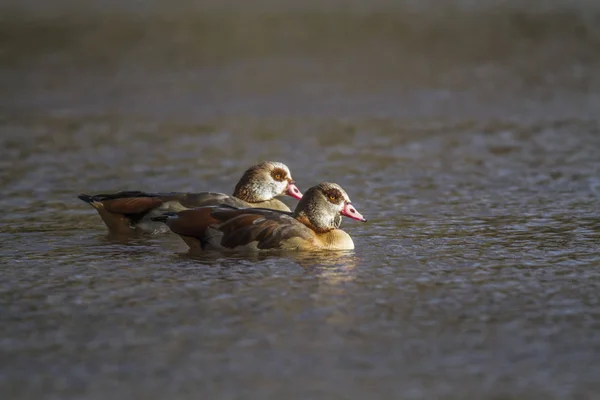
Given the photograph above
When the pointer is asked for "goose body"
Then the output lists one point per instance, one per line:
(128, 211)
(314, 224)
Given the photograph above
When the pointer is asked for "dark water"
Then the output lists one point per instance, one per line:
(469, 135)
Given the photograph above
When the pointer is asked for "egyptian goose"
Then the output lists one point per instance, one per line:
(125, 212)
(314, 224)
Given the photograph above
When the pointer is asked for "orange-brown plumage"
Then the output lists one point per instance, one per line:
(133, 205)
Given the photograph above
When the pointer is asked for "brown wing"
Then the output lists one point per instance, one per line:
(239, 227)
(193, 200)
(267, 228)
(135, 205)
(192, 223)
(130, 202)
(136, 202)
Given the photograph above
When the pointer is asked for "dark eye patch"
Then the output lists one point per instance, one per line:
(334, 196)
(279, 174)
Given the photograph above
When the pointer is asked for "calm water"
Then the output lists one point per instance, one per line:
(470, 140)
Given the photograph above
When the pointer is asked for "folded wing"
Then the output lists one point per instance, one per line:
(227, 228)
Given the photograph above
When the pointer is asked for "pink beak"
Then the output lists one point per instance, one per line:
(293, 191)
(350, 212)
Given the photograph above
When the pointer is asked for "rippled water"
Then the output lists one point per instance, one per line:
(477, 166)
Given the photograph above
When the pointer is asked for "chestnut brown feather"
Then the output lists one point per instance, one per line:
(135, 205)
(193, 222)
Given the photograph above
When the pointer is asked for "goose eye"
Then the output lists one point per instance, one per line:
(278, 176)
(332, 197)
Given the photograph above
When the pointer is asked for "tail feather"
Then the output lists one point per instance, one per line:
(86, 197)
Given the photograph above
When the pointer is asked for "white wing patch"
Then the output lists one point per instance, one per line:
(174, 206)
(213, 237)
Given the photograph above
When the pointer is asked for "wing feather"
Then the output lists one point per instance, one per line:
(231, 228)
(131, 205)
(269, 229)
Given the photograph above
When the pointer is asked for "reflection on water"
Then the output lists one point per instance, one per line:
(468, 136)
